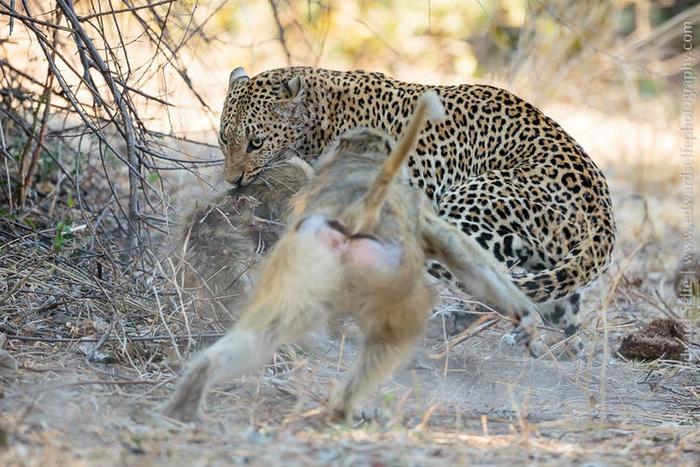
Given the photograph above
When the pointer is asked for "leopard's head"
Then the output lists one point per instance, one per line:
(264, 119)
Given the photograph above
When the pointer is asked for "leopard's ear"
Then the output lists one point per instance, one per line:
(237, 76)
(293, 88)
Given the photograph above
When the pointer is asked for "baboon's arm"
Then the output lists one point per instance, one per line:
(478, 273)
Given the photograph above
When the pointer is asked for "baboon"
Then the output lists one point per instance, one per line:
(221, 241)
(356, 244)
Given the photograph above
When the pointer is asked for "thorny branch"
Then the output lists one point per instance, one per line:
(80, 156)
(111, 111)
(280, 31)
(119, 98)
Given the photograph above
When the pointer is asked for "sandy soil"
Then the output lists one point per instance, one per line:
(479, 406)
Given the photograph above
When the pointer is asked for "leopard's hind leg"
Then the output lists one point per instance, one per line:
(497, 210)
(563, 315)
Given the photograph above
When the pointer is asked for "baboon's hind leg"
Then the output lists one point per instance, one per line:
(233, 355)
(378, 359)
(299, 279)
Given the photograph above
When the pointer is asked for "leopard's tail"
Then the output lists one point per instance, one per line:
(583, 264)
(427, 108)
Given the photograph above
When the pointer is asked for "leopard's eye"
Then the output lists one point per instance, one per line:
(255, 143)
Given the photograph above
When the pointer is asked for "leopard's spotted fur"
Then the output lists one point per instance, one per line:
(500, 169)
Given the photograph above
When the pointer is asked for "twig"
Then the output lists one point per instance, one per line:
(130, 139)
(62, 340)
(13, 15)
(90, 355)
(34, 160)
(483, 323)
(280, 31)
(125, 10)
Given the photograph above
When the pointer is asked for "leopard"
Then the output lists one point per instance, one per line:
(496, 167)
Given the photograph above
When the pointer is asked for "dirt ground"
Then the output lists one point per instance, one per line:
(479, 404)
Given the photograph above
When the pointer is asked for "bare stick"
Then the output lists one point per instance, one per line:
(130, 139)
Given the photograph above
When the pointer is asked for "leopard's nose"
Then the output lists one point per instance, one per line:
(237, 182)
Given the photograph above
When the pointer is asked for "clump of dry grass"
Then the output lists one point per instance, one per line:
(71, 297)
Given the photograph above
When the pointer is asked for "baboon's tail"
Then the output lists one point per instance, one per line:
(428, 107)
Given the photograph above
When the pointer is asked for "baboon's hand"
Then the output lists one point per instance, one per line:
(526, 334)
